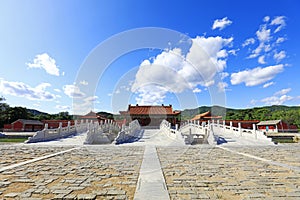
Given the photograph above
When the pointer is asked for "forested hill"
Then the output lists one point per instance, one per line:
(290, 114)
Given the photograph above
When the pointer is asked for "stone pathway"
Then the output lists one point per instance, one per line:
(151, 183)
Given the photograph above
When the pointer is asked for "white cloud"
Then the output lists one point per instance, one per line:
(256, 76)
(84, 105)
(279, 97)
(20, 89)
(45, 62)
(221, 23)
(280, 22)
(90, 99)
(279, 56)
(253, 102)
(248, 42)
(172, 71)
(73, 91)
(282, 92)
(266, 18)
(267, 39)
(57, 90)
(61, 107)
(263, 34)
(223, 75)
(233, 51)
(222, 86)
(196, 90)
(280, 40)
(151, 95)
(268, 84)
(83, 82)
(276, 100)
(261, 60)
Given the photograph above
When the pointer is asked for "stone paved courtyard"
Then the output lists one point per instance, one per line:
(111, 172)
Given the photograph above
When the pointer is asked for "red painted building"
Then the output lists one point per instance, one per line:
(24, 125)
(151, 115)
(92, 116)
(276, 126)
(207, 116)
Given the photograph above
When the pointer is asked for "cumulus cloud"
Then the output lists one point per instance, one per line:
(173, 71)
(73, 91)
(268, 84)
(44, 61)
(221, 23)
(196, 90)
(261, 60)
(248, 42)
(267, 39)
(280, 22)
(279, 56)
(222, 86)
(84, 104)
(278, 98)
(256, 76)
(266, 18)
(20, 89)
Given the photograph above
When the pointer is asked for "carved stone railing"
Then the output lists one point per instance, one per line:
(249, 134)
(57, 133)
(194, 133)
(130, 133)
(79, 127)
(165, 128)
(103, 133)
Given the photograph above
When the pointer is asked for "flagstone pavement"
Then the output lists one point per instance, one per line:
(112, 171)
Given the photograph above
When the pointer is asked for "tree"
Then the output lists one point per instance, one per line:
(3, 109)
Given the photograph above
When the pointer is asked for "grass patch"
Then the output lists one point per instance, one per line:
(13, 140)
(282, 140)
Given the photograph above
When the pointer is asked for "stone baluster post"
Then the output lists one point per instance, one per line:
(69, 124)
(230, 124)
(60, 127)
(46, 127)
(224, 128)
(254, 130)
(240, 128)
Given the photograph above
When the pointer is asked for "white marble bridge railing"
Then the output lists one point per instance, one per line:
(129, 133)
(63, 132)
(165, 127)
(194, 133)
(103, 133)
(250, 134)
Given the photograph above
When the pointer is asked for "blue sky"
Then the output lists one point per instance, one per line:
(237, 54)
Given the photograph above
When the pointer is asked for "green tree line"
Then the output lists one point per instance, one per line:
(10, 114)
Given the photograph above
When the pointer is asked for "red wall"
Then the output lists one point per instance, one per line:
(17, 126)
(55, 123)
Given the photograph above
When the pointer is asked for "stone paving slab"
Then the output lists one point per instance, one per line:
(91, 172)
(111, 172)
(285, 153)
(12, 154)
(204, 172)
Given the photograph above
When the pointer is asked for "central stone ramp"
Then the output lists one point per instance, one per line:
(155, 137)
(151, 183)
